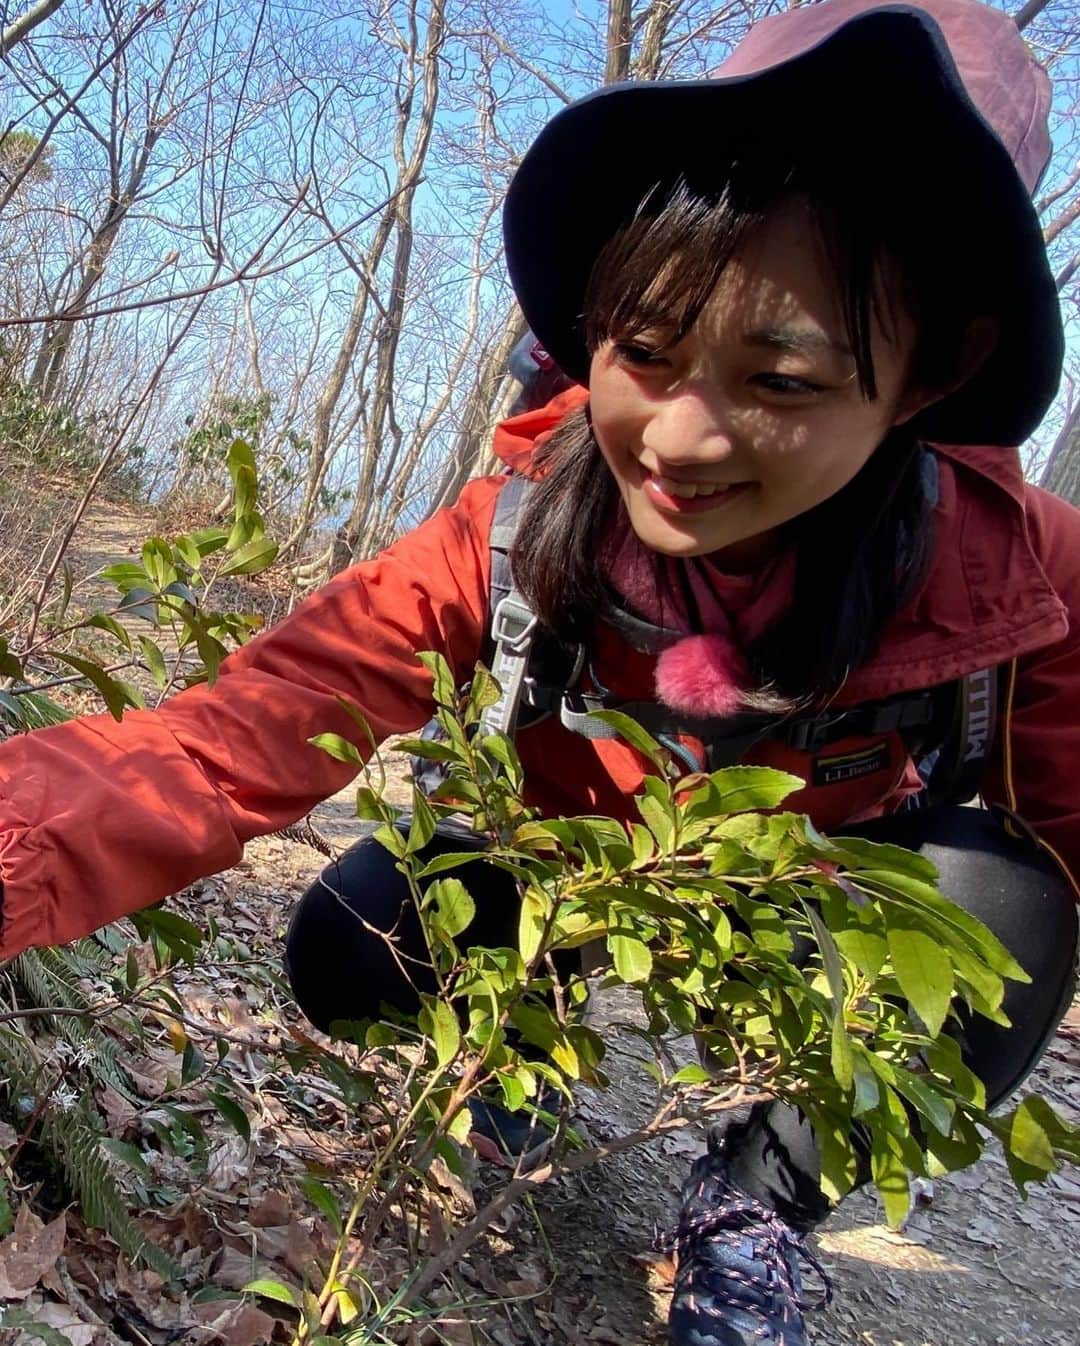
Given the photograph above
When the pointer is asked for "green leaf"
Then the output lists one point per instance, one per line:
(890, 1178)
(513, 1091)
(633, 960)
(439, 1023)
(422, 826)
(233, 1113)
(863, 948)
(183, 592)
(937, 1109)
(247, 528)
(389, 837)
(241, 465)
(139, 602)
(154, 661)
(634, 734)
(962, 923)
(444, 688)
(843, 1065)
(923, 970)
(439, 864)
(503, 751)
(531, 922)
(178, 935)
(193, 1063)
(157, 561)
(484, 691)
(338, 747)
(251, 559)
(128, 1154)
(209, 540)
(185, 550)
(125, 574)
(739, 789)
(267, 1289)
(116, 695)
(10, 666)
(867, 1093)
(839, 1163)
(324, 1200)
(454, 906)
(102, 621)
(692, 1074)
(1030, 1134)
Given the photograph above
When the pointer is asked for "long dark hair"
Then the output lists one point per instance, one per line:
(862, 552)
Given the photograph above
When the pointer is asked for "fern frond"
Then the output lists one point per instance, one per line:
(74, 1139)
(51, 977)
(31, 710)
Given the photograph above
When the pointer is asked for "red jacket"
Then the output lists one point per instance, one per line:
(98, 819)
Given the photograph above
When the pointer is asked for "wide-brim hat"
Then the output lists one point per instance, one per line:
(942, 99)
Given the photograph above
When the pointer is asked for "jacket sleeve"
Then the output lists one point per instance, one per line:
(1034, 769)
(99, 818)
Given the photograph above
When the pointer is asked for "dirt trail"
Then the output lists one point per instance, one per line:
(979, 1267)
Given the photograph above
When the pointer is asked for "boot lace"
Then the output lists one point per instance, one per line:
(733, 1217)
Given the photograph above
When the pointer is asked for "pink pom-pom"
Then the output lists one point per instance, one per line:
(701, 675)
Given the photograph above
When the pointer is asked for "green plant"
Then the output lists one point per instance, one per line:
(822, 971)
(169, 592)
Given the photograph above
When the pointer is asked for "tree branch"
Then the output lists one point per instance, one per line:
(16, 31)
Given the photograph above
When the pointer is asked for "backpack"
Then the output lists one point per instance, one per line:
(948, 730)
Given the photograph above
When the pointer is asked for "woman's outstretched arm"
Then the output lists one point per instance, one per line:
(100, 818)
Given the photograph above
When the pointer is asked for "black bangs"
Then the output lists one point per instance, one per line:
(656, 274)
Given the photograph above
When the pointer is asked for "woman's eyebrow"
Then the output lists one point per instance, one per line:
(798, 341)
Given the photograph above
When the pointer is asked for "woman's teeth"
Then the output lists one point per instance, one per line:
(687, 490)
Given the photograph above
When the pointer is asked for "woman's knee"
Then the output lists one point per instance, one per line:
(355, 942)
(351, 938)
(1021, 895)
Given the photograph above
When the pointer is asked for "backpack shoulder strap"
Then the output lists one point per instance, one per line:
(530, 664)
(954, 772)
(513, 622)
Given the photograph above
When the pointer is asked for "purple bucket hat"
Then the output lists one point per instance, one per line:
(943, 95)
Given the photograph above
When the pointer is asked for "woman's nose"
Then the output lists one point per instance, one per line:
(689, 426)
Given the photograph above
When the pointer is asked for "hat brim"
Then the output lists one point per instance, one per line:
(885, 90)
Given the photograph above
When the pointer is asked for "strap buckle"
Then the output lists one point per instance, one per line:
(512, 625)
(809, 735)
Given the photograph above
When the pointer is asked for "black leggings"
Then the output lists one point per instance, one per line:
(341, 966)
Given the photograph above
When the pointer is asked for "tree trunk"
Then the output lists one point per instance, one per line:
(619, 36)
(1062, 471)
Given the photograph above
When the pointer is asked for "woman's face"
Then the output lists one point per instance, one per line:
(756, 415)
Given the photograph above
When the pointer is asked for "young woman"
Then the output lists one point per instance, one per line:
(808, 311)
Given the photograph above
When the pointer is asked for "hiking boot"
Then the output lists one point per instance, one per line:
(737, 1279)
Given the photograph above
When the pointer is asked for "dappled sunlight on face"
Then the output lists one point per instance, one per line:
(756, 414)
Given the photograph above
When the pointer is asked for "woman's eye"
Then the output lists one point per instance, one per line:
(787, 385)
(637, 354)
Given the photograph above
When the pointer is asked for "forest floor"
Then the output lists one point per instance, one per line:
(977, 1267)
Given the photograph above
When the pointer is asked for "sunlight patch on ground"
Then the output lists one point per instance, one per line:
(881, 1246)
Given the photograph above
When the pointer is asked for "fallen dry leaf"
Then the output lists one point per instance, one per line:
(236, 1322)
(29, 1253)
(273, 1209)
(62, 1319)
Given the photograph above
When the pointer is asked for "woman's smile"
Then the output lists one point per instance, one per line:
(688, 497)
